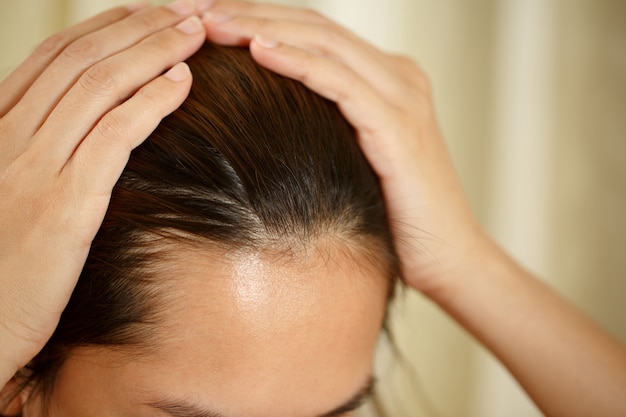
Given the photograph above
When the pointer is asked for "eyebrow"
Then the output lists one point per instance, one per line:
(181, 408)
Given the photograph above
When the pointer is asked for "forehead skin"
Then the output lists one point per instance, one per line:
(245, 334)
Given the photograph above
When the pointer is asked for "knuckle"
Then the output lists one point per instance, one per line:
(342, 94)
(52, 46)
(100, 79)
(302, 73)
(144, 22)
(158, 100)
(150, 95)
(111, 128)
(415, 106)
(83, 50)
(413, 72)
(162, 43)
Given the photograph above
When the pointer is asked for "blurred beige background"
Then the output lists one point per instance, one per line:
(531, 96)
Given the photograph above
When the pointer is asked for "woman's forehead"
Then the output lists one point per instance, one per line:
(249, 296)
(271, 328)
(302, 332)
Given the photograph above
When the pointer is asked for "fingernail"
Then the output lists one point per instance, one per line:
(133, 7)
(204, 5)
(190, 26)
(182, 7)
(211, 17)
(266, 42)
(179, 72)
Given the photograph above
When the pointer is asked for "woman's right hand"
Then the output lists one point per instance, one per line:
(69, 117)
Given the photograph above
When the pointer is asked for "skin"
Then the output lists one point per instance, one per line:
(387, 98)
(298, 339)
(444, 252)
(69, 117)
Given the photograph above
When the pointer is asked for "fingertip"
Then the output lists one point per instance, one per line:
(191, 26)
(215, 18)
(178, 73)
(266, 42)
(272, 54)
(268, 52)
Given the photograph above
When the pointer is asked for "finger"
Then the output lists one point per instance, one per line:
(16, 84)
(86, 51)
(98, 162)
(225, 9)
(359, 102)
(324, 38)
(108, 83)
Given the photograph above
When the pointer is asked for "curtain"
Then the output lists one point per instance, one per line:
(531, 96)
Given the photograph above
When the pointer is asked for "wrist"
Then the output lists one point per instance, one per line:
(474, 263)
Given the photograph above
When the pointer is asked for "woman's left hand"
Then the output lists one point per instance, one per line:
(387, 99)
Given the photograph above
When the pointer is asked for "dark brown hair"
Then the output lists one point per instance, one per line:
(250, 160)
